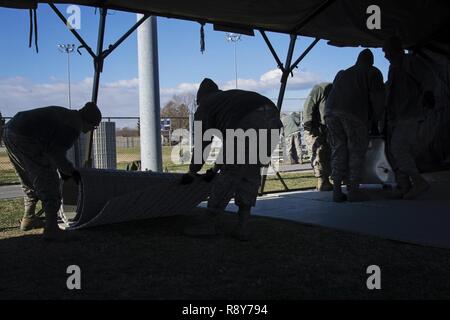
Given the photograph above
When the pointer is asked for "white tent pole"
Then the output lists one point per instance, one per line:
(149, 103)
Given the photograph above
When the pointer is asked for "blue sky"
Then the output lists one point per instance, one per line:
(29, 80)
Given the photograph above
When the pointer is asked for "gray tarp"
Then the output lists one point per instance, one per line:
(343, 22)
(112, 196)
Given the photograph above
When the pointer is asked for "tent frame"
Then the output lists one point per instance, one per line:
(99, 57)
(287, 69)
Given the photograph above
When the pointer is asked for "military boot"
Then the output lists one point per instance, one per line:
(241, 232)
(400, 190)
(419, 186)
(324, 184)
(30, 223)
(355, 194)
(207, 227)
(29, 220)
(403, 186)
(338, 195)
(53, 233)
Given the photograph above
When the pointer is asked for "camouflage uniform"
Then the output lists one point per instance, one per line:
(406, 86)
(37, 173)
(349, 139)
(236, 109)
(292, 136)
(357, 98)
(239, 181)
(403, 146)
(315, 131)
(242, 181)
(319, 151)
(36, 142)
(294, 147)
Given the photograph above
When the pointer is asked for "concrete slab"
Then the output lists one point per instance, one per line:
(424, 221)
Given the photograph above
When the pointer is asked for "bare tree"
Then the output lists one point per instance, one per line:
(178, 109)
(187, 99)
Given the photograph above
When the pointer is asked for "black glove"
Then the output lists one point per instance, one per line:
(187, 178)
(64, 177)
(208, 175)
(76, 176)
(428, 100)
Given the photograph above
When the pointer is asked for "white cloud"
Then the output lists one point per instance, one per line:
(180, 89)
(271, 80)
(121, 98)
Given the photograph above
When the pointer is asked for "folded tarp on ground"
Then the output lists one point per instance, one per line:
(112, 196)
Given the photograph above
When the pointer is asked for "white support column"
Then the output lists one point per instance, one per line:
(149, 104)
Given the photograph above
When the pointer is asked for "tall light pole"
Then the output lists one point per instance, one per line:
(234, 37)
(67, 48)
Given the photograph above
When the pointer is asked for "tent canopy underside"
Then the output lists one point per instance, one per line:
(342, 22)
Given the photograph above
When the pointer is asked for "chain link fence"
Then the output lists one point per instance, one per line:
(175, 148)
(127, 146)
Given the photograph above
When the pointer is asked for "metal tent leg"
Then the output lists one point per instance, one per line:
(279, 177)
(286, 69)
(285, 74)
(98, 68)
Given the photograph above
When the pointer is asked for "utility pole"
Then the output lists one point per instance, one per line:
(234, 37)
(68, 49)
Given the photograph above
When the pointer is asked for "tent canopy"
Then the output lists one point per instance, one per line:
(342, 22)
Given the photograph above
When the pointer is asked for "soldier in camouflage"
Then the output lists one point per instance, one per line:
(315, 132)
(224, 110)
(357, 93)
(409, 92)
(293, 139)
(37, 141)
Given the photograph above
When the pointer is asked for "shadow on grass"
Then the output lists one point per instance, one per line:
(152, 259)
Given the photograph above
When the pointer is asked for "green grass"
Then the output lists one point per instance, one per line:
(128, 155)
(299, 180)
(11, 211)
(152, 259)
(8, 177)
(7, 173)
